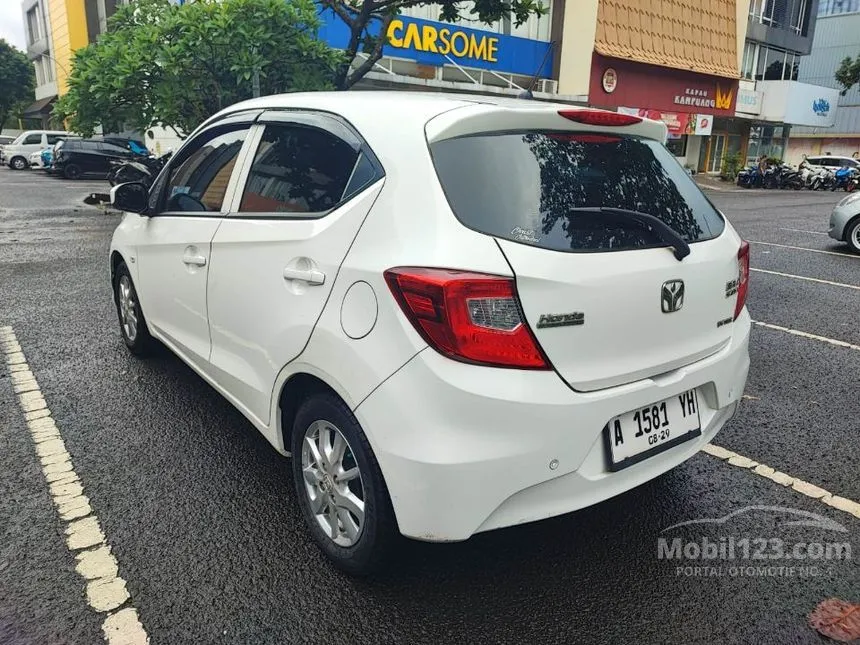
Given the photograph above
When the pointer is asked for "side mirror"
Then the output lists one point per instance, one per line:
(132, 197)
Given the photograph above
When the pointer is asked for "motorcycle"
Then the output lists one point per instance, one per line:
(783, 176)
(749, 177)
(814, 178)
(143, 170)
(826, 180)
(844, 178)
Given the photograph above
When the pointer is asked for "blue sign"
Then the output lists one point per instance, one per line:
(821, 107)
(441, 43)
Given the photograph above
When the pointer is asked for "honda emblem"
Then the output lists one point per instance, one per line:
(672, 296)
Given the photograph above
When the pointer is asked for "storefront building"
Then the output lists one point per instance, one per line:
(773, 101)
(683, 74)
(423, 54)
(40, 53)
(696, 108)
(836, 37)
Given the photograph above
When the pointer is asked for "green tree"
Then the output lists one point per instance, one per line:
(175, 65)
(17, 80)
(368, 22)
(848, 73)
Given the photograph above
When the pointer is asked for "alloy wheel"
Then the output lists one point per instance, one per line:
(127, 308)
(333, 483)
(18, 163)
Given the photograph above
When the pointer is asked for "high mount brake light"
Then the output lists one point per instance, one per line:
(470, 317)
(594, 117)
(743, 277)
(584, 138)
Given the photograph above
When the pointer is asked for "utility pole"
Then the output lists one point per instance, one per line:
(256, 81)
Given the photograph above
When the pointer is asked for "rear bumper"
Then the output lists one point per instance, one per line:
(466, 449)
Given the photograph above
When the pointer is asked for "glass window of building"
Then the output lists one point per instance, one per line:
(677, 145)
(774, 65)
(748, 66)
(831, 7)
(34, 31)
(798, 16)
(766, 140)
(769, 64)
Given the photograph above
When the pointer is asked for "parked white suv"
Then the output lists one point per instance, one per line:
(456, 313)
(16, 155)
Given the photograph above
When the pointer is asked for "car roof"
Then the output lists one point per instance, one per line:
(374, 112)
(838, 157)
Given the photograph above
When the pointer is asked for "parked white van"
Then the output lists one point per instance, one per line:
(16, 155)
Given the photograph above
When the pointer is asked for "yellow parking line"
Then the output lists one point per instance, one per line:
(805, 488)
(106, 590)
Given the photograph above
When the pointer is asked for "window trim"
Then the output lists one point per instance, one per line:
(161, 183)
(325, 121)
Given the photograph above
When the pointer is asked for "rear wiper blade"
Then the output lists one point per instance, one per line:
(654, 224)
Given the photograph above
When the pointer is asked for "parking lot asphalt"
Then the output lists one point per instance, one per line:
(200, 515)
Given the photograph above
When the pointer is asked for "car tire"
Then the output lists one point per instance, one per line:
(359, 546)
(132, 323)
(72, 171)
(18, 163)
(852, 234)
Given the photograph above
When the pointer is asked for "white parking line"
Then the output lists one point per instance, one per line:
(810, 490)
(106, 590)
(800, 230)
(801, 277)
(804, 334)
(803, 248)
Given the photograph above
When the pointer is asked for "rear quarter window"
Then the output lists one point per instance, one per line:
(525, 187)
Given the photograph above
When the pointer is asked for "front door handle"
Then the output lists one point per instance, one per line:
(196, 260)
(311, 276)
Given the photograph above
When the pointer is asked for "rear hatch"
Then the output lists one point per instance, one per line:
(604, 292)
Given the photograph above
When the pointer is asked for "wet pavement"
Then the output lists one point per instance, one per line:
(202, 519)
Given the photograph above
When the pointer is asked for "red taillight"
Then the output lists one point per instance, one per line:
(470, 317)
(585, 138)
(595, 117)
(743, 277)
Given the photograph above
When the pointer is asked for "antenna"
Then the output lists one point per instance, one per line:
(528, 92)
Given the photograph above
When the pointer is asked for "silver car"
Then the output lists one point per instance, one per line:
(845, 222)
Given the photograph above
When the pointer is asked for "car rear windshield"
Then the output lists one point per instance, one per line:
(527, 187)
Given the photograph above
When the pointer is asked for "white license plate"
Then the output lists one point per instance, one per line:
(647, 431)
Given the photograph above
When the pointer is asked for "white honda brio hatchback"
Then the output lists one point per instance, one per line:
(456, 313)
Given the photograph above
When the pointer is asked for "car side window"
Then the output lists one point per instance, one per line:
(113, 149)
(198, 180)
(300, 170)
(53, 138)
(32, 138)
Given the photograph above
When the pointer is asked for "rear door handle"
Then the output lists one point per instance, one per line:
(196, 260)
(311, 276)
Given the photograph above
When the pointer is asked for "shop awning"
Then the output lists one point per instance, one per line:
(40, 107)
(682, 34)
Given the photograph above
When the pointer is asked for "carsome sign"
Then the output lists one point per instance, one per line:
(444, 40)
(439, 43)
